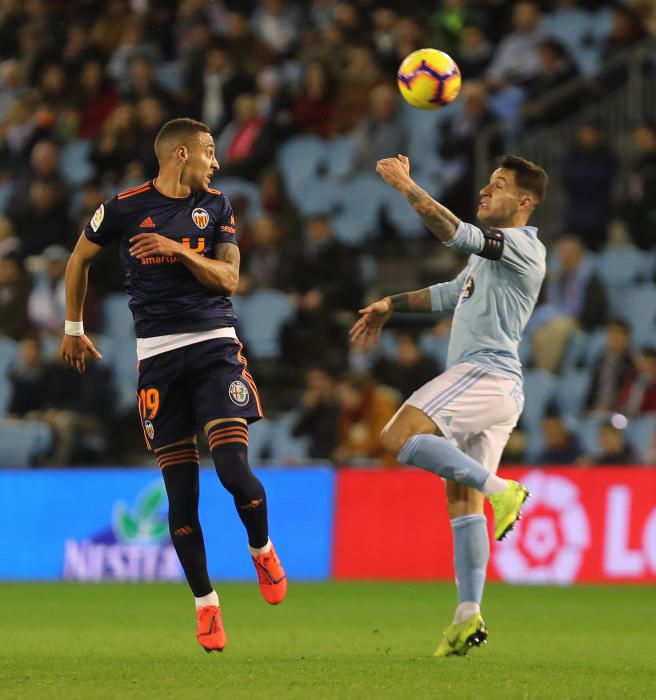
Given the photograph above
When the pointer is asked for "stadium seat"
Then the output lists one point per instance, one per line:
(640, 434)
(594, 347)
(169, 76)
(539, 390)
(74, 163)
(588, 434)
(339, 154)
(8, 353)
(259, 441)
(320, 196)
(115, 317)
(436, 347)
(285, 447)
(301, 159)
(401, 214)
(639, 309)
(263, 313)
(123, 362)
(621, 267)
(23, 442)
(234, 186)
(5, 193)
(360, 203)
(571, 392)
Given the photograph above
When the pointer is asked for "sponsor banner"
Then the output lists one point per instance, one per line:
(111, 525)
(588, 525)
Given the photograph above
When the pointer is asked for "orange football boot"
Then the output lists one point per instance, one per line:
(209, 628)
(271, 577)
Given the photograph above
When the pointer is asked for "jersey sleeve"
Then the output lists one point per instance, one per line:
(444, 296)
(105, 225)
(226, 231)
(512, 247)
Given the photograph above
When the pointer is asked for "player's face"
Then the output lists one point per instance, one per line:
(201, 162)
(501, 199)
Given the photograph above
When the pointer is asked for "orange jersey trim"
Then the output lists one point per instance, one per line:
(247, 376)
(211, 191)
(134, 190)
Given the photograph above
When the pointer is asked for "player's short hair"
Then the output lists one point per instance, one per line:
(177, 132)
(528, 176)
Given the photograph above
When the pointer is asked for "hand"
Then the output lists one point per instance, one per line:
(395, 171)
(73, 349)
(146, 244)
(366, 330)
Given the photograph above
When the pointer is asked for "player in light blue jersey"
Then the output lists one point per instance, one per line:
(457, 425)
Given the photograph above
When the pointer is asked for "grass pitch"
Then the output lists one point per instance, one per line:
(333, 640)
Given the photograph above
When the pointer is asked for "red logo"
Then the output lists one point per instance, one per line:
(147, 223)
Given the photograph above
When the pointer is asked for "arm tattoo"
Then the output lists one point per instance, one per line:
(441, 222)
(412, 302)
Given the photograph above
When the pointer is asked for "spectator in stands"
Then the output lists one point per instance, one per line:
(116, 145)
(151, 114)
(142, 84)
(133, 44)
(384, 36)
(561, 446)
(475, 52)
(15, 285)
(12, 83)
(364, 411)
(516, 58)
(614, 448)
(313, 108)
(247, 143)
(457, 145)
(29, 384)
(447, 24)
(612, 370)
(638, 394)
(43, 167)
(575, 298)
(276, 203)
(46, 306)
(96, 98)
(266, 264)
(408, 369)
(381, 132)
(110, 27)
(639, 206)
(276, 23)
(626, 30)
(55, 98)
(319, 412)
(588, 174)
(250, 52)
(19, 132)
(273, 101)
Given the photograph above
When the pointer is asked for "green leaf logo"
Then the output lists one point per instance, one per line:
(146, 522)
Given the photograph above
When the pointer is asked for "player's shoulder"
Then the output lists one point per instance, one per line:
(135, 192)
(524, 236)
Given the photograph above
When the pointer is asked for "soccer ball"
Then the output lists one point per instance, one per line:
(429, 79)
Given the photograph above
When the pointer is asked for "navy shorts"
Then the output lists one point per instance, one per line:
(179, 391)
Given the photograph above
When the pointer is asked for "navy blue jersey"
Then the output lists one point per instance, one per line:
(165, 297)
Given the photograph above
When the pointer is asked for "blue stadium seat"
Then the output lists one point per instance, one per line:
(285, 448)
(300, 159)
(5, 193)
(639, 309)
(539, 390)
(169, 76)
(233, 186)
(641, 434)
(401, 215)
(22, 442)
(621, 267)
(361, 200)
(573, 27)
(571, 391)
(588, 434)
(340, 151)
(74, 163)
(595, 346)
(8, 353)
(115, 317)
(575, 351)
(259, 441)
(122, 358)
(436, 347)
(263, 313)
(320, 196)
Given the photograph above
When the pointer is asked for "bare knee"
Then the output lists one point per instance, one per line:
(461, 500)
(407, 422)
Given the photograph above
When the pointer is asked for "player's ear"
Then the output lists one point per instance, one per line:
(182, 153)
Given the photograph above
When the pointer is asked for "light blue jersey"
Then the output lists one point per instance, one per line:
(492, 299)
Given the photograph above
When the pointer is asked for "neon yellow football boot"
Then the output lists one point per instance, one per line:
(506, 506)
(460, 638)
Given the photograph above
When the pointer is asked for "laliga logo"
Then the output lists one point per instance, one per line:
(548, 544)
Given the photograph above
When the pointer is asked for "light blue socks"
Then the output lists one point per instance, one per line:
(471, 549)
(436, 454)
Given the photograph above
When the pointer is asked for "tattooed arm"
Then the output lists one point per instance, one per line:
(439, 220)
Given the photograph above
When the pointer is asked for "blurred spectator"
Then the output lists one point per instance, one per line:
(587, 174)
(116, 145)
(575, 298)
(34, 52)
(382, 133)
(612, 370)
(11, 84)
(40, 218)
(276, 203)
(274, 102)
(141, 82)
(247, 143)
(457, 147)
(447, 24)
(15, 285)
(313, 107)
(43, 167)
(151, 115)
(639, 206)
(364, 411)
(96, 98)
(251, 54)
(613, 448)
(516, 57)
(46, 306)
(111, 26)
(626, 30)
(20, 130)
(266, 265)
(55, 99)
(29, 383)
(277, 24)
(638, 395)
(408, 369)
(384, 36)
(319, 412)
(560, 445)
(133, 45)
(475, 52)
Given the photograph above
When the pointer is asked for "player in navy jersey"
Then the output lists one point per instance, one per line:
(178, 249)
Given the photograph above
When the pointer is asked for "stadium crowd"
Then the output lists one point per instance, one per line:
(301, 99)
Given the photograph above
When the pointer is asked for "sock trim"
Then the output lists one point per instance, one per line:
(463, 520)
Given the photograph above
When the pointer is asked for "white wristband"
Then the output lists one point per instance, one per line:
(73, 328)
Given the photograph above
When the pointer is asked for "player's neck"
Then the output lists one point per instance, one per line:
(513, 222)
(168, 183)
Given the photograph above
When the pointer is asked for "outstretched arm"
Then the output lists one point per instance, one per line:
(439, 220)
(365, 333)
(75, 343)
